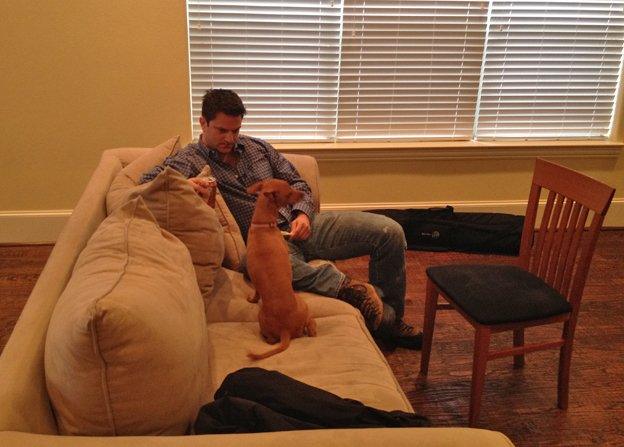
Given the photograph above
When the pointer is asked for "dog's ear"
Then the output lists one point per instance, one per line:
(255, 188)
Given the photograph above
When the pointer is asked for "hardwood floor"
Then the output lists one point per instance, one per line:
(522, 403)
(519, 402)
(20, 266)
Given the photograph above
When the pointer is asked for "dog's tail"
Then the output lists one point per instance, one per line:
(284, 344)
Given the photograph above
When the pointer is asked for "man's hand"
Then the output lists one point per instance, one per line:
(205, 188)
(200, 185)
(300, 228)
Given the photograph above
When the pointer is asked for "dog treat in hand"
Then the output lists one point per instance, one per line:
(209, 182)
(211, 195)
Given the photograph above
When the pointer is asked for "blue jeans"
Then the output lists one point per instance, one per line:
(343, 235)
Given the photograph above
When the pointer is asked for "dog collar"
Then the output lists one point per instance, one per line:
(264, 225)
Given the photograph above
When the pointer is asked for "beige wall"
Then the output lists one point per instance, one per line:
(446, 181)
(81, 76)
(468, 185)
(78, 77)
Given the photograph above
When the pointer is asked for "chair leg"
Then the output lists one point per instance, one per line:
(431, 303)
(518, 340)
(565, 357)
(479, 362)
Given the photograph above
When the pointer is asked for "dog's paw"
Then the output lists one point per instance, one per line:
(311, 328)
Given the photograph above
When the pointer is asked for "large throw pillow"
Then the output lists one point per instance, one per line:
(130, 175)
(126, 347)
(181, 211)
(233, 239)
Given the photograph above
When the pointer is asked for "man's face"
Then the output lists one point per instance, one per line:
(220, 133)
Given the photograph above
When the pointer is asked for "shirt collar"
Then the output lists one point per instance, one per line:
(212, 153)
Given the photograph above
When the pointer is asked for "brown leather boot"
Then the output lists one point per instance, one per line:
(363, 297)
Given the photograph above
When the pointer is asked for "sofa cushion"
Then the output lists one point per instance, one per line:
(179, 210)
(125, 348)
(235, 248)
(131, 174)
(342, 359)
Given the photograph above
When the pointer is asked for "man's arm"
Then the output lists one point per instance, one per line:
(284, 169)
(187, 162)
(303, 211)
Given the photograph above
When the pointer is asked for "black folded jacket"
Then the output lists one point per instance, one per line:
(257, 400)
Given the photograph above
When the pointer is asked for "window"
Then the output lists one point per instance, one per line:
(550, 69)
(381, 70)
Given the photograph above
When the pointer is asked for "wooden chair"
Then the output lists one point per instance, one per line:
(545, 287)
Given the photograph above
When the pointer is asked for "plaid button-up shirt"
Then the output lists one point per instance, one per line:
(258, 160)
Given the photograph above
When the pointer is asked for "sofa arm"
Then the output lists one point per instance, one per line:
(23, 395)
(307, 167)
(373, 437)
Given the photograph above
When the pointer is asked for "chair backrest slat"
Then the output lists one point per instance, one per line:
(562, 249)
(528, 230)
(558, 241)
(551, 231)
(567, 242)
(543, 230)
(568, 268)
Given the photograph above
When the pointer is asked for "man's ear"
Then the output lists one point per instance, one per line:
(255, 188)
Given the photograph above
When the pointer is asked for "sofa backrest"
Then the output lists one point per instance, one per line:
(305, 164)
(308, 169)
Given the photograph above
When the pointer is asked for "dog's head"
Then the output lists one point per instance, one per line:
(276, 190)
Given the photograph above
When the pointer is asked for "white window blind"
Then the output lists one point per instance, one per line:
(410, 69)
(551, 69)
(281, 57)
(354, 70)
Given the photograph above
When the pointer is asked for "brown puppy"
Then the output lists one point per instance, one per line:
(282, 314)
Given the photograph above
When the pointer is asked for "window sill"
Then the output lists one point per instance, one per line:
(455, 150)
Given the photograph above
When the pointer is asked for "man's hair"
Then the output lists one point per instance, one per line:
(220, 100)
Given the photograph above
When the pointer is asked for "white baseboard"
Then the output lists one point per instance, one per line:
(511, 207)
(31, 227)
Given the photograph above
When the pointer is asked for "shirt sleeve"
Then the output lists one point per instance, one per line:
(185, 162)
(284, 169)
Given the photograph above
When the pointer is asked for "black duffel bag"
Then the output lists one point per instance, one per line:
(442, 229)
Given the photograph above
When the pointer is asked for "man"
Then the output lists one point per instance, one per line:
(238, 161)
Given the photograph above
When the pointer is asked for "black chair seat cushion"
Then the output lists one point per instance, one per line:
(496, 294)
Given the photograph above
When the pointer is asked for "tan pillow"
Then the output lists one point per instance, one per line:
(126, 348)
(131, 174)
(234, 244)
(179, 210)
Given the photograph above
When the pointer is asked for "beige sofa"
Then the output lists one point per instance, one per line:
(342, 359)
